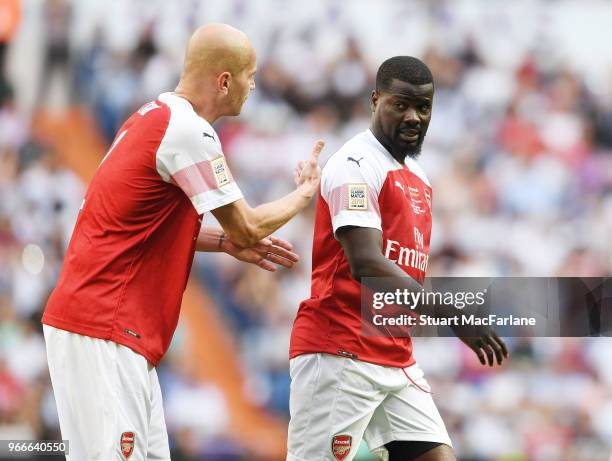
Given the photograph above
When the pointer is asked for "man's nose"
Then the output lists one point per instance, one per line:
(411, 116)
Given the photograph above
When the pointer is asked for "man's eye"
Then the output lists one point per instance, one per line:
(425, 108)
(400, 105)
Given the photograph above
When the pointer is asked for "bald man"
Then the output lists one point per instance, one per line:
(116, 305)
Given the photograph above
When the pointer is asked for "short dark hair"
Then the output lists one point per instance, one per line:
(405, 68)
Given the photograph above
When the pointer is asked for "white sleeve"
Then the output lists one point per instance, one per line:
(195, 163)
(350, 185)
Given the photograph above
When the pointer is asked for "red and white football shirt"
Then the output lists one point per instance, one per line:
(133, 244)
(362, 185)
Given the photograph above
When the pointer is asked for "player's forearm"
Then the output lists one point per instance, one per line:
(383, 268)
(264, 219)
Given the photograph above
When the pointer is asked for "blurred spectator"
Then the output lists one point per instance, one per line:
(56, 58)
(10, 18)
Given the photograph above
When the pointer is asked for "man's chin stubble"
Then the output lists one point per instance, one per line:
(412, 152)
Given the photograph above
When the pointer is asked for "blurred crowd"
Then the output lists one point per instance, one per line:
(519, 153)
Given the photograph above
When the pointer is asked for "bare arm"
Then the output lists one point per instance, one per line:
(363, 249)
(245, 226)
(210, 239)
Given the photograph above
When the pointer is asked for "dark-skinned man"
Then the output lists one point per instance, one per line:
(374, 210)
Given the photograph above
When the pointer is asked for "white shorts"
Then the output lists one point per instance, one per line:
(108, 399)
(337, 401)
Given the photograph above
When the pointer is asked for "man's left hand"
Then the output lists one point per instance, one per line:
(487, 345)
(267, 253)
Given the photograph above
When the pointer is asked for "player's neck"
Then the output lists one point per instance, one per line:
(199, 104)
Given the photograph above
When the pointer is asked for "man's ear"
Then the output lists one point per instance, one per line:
(224, 82)
(374, 100)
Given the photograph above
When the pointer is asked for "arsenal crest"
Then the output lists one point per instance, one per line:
(341, 446)
(127, 444)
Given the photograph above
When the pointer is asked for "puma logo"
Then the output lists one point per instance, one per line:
(400, 185)
(206, 135)
(351, 159)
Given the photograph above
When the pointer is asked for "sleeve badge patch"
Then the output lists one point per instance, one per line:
(358, 197)
(220, 171)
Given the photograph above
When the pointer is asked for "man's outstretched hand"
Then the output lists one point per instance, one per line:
(267, 253)
(487, 345)
(307, 174)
